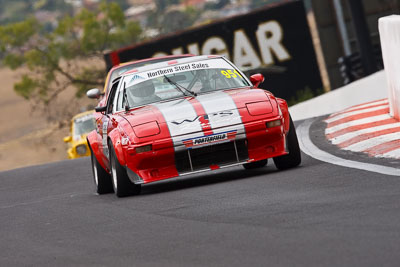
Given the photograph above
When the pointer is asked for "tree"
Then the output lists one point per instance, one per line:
(57, 61)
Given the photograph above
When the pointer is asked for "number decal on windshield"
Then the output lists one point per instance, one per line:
(230, 74)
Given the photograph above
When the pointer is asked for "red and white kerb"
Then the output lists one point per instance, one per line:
(366, 128)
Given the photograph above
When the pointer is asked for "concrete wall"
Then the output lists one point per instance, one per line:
(389, 30)
(362, 91)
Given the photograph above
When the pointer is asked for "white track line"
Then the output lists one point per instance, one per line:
(364, 145)
(356, 122)
(310, 149)
(347, 136)
(348, 114)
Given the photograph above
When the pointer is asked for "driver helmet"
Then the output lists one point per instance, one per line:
(203, 76)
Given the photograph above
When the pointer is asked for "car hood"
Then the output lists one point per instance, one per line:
(206, 112)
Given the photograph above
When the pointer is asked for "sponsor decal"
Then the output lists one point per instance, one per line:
(84, 118)
(209, 139)
(205, 117)
(136, 78)
(179, 68)
(157, 73)
(216, 63)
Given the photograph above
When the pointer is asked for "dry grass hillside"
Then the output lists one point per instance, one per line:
(26, 137)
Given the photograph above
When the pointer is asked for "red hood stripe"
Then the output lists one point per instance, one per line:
(204, 121)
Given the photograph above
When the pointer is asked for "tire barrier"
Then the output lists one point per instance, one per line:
(351, 68)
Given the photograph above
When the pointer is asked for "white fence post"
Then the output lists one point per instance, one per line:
(389, 31)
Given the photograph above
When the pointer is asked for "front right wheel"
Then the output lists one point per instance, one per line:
(292, 159)
(123, 187)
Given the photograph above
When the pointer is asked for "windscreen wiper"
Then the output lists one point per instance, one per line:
(180, 87)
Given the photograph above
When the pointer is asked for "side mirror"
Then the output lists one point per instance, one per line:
(94, 93)
(67, 139)
(101, 109)
(256, 79)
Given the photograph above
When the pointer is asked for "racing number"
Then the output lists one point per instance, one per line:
(230, 74)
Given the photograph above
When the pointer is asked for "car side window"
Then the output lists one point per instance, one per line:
(110, 102)
(118, 101)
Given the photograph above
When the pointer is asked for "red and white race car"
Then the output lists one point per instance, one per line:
(186, 116)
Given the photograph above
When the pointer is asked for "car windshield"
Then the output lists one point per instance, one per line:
(131, 65)
(179, 80)
(84, 125)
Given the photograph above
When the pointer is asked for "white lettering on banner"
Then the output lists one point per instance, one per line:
(84, 118)
(243, 52)
(215, 45)
(269, 37)
(177, 51)
(159, 72)
(160, 54)
(193, 49)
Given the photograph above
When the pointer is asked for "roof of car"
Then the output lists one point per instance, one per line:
(141, 63)
(170, 63)
(149, 60)
(82, 114)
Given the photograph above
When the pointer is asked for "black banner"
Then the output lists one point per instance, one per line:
(274, 40)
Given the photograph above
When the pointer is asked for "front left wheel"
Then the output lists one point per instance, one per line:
(293, 159)
(123, 187)
(102, 180)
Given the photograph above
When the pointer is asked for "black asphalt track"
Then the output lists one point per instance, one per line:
(317, 214)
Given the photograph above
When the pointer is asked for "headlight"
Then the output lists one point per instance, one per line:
(81, 149)
(259, 108)
(147, 129)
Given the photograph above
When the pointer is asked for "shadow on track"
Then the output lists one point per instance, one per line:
(204, 179)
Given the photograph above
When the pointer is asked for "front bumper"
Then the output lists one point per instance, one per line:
(167, 161)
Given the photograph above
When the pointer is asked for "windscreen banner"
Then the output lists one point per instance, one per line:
(274, 40)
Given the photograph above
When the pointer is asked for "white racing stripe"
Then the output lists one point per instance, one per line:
(180, 116)
(364, 145)
(350, 135)
(356, 122)
(184, 123)
(357, 112)
(222, 110)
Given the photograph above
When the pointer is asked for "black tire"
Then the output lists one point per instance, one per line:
(123, 187)
(102, 179)
(255, 165)
(293, 159)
